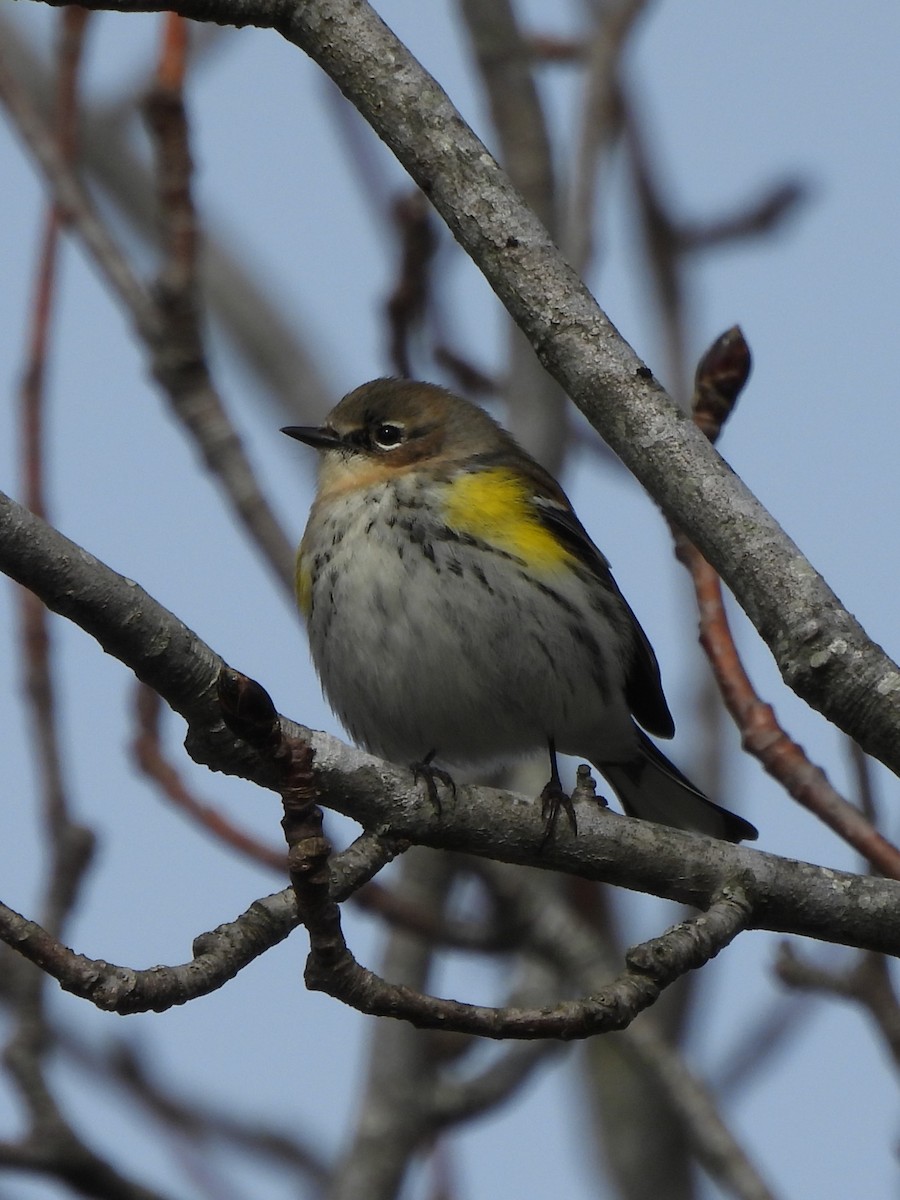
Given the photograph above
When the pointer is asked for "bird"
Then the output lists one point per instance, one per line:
(459, 615)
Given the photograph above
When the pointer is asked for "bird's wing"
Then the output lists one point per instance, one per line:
(643, 686)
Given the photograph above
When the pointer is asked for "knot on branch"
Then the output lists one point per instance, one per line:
(695, 941)
(249, 713)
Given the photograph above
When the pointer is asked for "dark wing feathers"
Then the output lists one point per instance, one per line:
(643, 686)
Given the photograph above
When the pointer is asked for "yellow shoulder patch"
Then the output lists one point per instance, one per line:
(495, 507)
(303, 585)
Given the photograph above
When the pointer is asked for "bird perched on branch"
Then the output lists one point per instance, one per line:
(459, 614)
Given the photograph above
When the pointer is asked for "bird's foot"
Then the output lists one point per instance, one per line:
(429, 774)
(554, 799)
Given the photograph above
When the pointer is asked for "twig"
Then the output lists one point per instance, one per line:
(551, 48)
(404, 1066)
(561, 937)
(600, 121)
(504, 61)
(81, 215)
(72, 844)
(149, 756)
(488, 937)
(721, 375)
(659, 230)
(764, 215)
(536, 404)
(651, 967)
(167, 325)
(270, 345)
(672, 242)
(173, 57)
(405, 306)
(61, 1154)
(467, 377)
(710, 1138)
(50, 1144)
(456, 1100)
(761, 1043)
(218, 955)
(865, 786)
(201, 1122)
(177, 352)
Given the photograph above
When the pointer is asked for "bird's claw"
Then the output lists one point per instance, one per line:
(428, 773)
(554, 799)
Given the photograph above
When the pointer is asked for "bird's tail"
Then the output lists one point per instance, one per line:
(650, 787)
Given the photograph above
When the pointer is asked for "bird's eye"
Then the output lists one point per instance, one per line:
(387, 436)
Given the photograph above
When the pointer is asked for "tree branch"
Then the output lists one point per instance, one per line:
(217, 956)
(650, 967)
(564, 938)
(821, 649)
(270, 345)
(721, 375)
(793, 897)
(160, 649)
(331, 968)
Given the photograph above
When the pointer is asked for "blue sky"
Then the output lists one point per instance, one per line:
(735, 97)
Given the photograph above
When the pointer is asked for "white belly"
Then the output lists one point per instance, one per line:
(451, 648)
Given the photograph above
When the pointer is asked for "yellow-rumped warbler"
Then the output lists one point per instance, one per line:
(459, 613)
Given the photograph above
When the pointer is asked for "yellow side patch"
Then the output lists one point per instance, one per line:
(495, 507)
(303, 585)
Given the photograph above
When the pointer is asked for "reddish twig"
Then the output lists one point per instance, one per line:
(72, 843)
(551, 48)
(721, 375)
(148, 755)
(172, 65)
(178, 352)
(166, 325)
(49, 1143)
(81, 213)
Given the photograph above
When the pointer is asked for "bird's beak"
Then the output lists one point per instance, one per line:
(321, 437)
